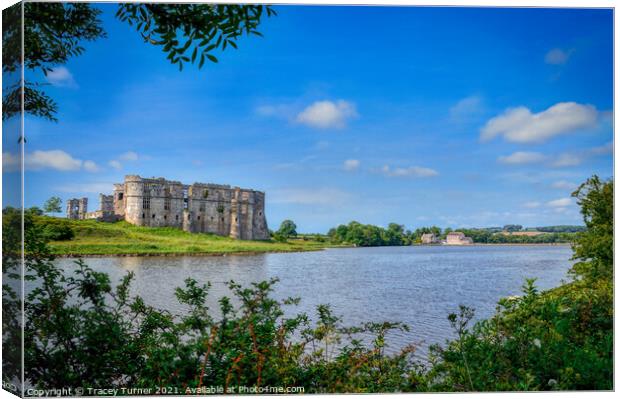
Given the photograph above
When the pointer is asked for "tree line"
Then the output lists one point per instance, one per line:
(367, 235)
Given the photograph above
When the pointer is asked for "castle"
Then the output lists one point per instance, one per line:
(196, 208)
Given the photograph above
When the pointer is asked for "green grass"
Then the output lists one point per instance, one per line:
(122, 238)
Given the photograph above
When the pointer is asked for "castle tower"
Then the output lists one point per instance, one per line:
(77, 208)
(119, 199)
(235, 215)
(134, 189)
(259, 228)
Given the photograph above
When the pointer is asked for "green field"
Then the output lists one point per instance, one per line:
(121, 238)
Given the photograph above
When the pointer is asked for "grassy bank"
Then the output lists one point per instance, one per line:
(121, 238)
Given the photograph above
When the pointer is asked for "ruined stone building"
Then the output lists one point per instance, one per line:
(197, 208)
(77, 208)
(429, 238)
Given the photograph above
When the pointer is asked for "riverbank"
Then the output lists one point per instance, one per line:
(94, 238)
(500, 244)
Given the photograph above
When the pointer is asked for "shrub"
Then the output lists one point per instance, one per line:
(278, 237)
(54, 229)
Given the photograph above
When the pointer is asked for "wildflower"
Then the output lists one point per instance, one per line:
(552, 382)
(537, 343)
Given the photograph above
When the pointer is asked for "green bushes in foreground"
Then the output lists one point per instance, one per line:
(82, 331)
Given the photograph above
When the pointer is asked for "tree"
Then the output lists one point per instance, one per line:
(287, 229)
(594, 248)
(55, 32)
(513, 227)
(52, 205)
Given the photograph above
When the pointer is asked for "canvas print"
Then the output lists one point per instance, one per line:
(209, 198)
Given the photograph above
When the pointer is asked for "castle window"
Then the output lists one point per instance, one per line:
(153, 216)
(236, 219)
(202, 207)
(260, 214)
(166, 204)
(146, 203)
(220, 208)
(165, 217)
(205, 194)
(198, 217)
(120, 196)
(177, 218)
(143, 216)
(222, 219)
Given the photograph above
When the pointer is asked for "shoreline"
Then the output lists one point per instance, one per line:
(275, 251)
(484, 244)
(177, 254)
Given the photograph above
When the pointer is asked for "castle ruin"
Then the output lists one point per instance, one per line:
(196, 208)
(77, 208)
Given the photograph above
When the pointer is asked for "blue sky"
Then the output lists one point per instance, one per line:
(447, 116)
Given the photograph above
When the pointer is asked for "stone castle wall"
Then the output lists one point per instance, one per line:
(197, 208)
(77, 208)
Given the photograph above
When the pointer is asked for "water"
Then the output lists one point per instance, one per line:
(418, 285)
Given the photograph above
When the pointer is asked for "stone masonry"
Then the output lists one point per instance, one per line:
(77, 208)
(197, 208)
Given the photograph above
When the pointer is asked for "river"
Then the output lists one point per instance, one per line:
(418, 285)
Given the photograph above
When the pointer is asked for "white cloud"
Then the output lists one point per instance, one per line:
(563, 185)
(61, 77)
(412, 171)
(115, 164)
(520, 125)
(566, 159)
(328, 114)
(308, 196)
(604, 149)
(91, 166)
(557, 56)
(128, 156)
(466, 106)
(531, 204)
(522, 157)
(351, 165)
(560, 203)
(577, 158)
(52, 159)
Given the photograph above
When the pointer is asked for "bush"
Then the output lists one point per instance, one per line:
(557, 340)
(278, 237)
(55, 229)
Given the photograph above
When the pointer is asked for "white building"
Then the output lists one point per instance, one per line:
(458, 238)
